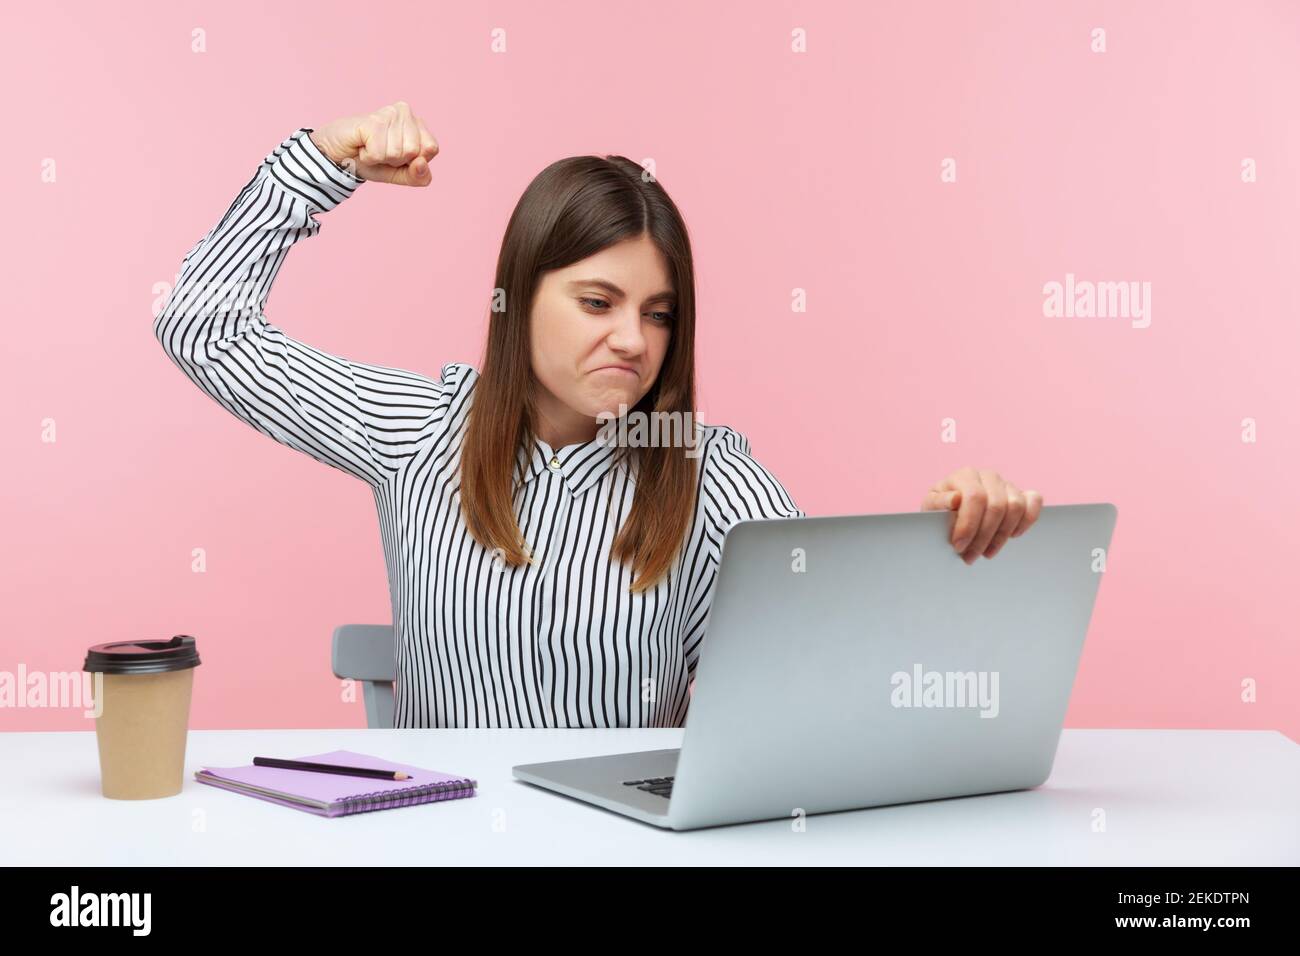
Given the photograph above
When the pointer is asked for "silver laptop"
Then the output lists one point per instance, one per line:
(857, 661)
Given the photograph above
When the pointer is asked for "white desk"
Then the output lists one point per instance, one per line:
(1171, 797)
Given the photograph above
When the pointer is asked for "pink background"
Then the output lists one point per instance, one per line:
(817, 171)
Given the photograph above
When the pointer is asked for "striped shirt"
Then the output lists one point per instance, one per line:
(561, 643)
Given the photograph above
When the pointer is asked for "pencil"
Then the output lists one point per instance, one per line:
(330, 768)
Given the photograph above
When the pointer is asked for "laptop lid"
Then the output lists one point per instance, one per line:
(857, 661)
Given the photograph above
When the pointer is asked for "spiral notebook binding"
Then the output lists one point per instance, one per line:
(408, 796)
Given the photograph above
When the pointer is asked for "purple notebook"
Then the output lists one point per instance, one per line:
(334, 795)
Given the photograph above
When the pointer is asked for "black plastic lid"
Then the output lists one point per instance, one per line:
(143, 657)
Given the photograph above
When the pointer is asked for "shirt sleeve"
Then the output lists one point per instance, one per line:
(365, 420)
(735, 487)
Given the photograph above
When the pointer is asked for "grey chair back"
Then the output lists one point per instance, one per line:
(368, 653)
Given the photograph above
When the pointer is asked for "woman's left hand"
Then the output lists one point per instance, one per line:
(989, 509)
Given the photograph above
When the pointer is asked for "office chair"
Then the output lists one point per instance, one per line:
(368, 653)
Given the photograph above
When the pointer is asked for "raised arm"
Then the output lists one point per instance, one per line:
(362, 419)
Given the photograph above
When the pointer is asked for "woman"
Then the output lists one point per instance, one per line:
(541, 575)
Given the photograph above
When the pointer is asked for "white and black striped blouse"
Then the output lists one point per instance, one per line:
(561, 643)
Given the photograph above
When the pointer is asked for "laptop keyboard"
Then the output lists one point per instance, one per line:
(659, 786)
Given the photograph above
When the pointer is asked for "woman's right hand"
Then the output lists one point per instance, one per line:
(390, 145)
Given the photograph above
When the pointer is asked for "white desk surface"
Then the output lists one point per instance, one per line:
(1170, 797)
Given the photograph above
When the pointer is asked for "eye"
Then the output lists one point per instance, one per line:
(600, 305)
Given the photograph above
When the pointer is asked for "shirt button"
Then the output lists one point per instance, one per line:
(554, 464)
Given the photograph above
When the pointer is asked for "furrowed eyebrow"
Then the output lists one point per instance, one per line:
(667, 296)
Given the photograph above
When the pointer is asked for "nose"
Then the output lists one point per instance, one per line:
(625, 336)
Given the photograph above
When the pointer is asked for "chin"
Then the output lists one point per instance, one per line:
(610, 399)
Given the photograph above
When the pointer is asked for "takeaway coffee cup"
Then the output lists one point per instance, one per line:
(144, 715)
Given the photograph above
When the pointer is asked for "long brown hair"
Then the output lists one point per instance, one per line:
(573, 209)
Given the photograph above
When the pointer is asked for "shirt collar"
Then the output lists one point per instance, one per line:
(581, 465)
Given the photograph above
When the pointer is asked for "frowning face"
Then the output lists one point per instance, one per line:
(600, 331)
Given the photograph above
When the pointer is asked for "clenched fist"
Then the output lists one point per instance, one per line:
(390, 145)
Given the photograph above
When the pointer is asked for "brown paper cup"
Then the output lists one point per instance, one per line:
(145, 714)
(142, 734)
